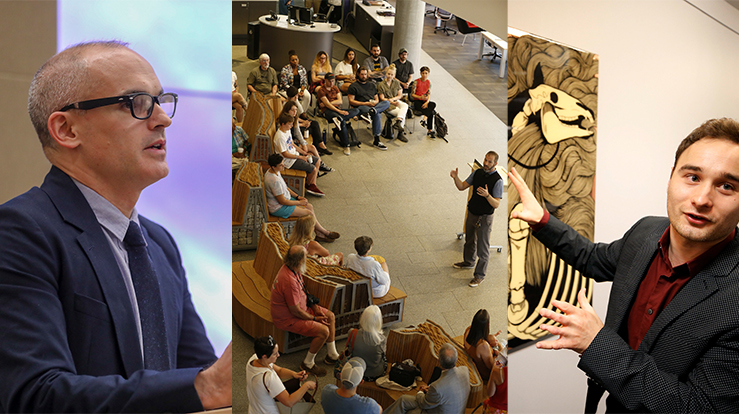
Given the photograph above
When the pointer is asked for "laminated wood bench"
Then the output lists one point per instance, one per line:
(343, 291)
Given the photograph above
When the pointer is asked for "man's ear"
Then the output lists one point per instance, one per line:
(61, 129)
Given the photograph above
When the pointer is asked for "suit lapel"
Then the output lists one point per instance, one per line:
(75, 210)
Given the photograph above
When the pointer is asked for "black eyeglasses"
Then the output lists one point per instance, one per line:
(140, 103)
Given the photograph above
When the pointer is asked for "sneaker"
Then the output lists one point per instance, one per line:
(366, 118)
(423, 123)
(337, 123)
(325, 168)
(431, 134)
(475, 282)
(397, 125)
(329, 361)
(313, 190)
(402, 137)
(324, 151)
(372, 112)
(462, 265)
(315, 369)
(379, 145)
(347, 151)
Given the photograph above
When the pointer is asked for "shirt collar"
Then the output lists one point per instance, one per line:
(696, 265)
(106, 213)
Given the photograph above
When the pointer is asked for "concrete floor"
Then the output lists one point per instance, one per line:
(405, 200)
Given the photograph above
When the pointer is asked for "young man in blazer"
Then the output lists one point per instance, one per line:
(670, 342)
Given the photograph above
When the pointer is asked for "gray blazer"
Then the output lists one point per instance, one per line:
(689, 358)
(448, 394)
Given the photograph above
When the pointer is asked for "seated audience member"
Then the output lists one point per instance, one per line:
(498, 402)
(237, 100)
(239, 141)
(264, 379)
(283, 202)
(346, 70)
(321, 66)
(363, 96)
(303, 148)
(308, 127)
(329, 102)
(294, 74)
(284, 145)
(448, 394)
(483, 348)
(373, 267)
(344, 399)
(421, 97)
(404, 68)
(304, 234)
(291, 313)
(263, 78)
(375, 64)
(370, 343)
(390, 90)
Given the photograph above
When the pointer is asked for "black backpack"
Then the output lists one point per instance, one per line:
(441, 128)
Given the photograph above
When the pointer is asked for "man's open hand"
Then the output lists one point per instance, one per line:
(579, 325)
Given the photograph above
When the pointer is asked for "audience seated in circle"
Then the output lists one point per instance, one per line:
(484, 350)
(329, 103)
(420, 96)
(293, 159)
(370, 343)
(373, 267)
(291, 313)
(264, 379)
(448, 394)
(303, 235)
(344, 399)
(263, 78)
(283, 202)
(346, 70)
(389, 90)
(294, 74)
(363, 96)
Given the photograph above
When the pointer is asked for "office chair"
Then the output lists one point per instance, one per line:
(442, 17)
(466, 28)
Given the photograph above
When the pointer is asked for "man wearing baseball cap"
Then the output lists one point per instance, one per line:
(404, 67)
(344, 399)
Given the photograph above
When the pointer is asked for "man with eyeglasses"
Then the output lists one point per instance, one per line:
(96, 313)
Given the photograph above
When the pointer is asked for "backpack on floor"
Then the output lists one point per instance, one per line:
(441, 128)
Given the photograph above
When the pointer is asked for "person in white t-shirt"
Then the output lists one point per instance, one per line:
(373, 267)
(283, 142)
(346, 70)
(264, 380)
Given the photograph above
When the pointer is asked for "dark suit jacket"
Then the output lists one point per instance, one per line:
(689, 358)
(68, 337)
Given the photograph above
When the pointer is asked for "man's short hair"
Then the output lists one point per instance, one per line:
(494, 154)
(375, 45)
(263, 56)
(294, 257)
(291, 91)
(285, 119)
(362, 244)
(447, 356)
(361, 68)
(352, 373)
(722, 128)
(274, 160)
(62, 80)
(262, 346)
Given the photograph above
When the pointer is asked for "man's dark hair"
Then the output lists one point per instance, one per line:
(494, 154)
(285, 119)
(722, 128)
(361, 68)
(375, 45)
(447, 356)
(362, 244)
(294, 257)
(262, 346)
(274, 160)
(291, 91)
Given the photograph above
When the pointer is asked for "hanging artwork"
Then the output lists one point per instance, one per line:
(552, 114)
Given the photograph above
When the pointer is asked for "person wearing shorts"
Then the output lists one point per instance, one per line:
(284, 145)
(290, 311)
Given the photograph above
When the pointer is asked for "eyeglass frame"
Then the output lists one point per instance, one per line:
(97, 103)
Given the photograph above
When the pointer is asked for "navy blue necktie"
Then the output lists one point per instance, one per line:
(146, 285)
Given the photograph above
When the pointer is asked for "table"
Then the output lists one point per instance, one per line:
(500, 43)
(277, 38)
(368, 25)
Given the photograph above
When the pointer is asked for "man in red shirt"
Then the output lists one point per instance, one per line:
(670, 342)
(291, 313)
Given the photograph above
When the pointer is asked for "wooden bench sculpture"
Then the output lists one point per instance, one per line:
(260, 115)
(422, 344)
(345, 292)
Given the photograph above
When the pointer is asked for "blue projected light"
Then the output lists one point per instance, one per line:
(189, 46)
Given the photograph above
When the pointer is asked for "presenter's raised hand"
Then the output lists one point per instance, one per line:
(214, 384)
(531, 211)
(579, 325)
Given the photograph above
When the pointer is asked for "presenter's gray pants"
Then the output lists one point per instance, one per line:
(477, 242)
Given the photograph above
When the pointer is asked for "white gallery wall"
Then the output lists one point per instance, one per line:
(665, 67)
